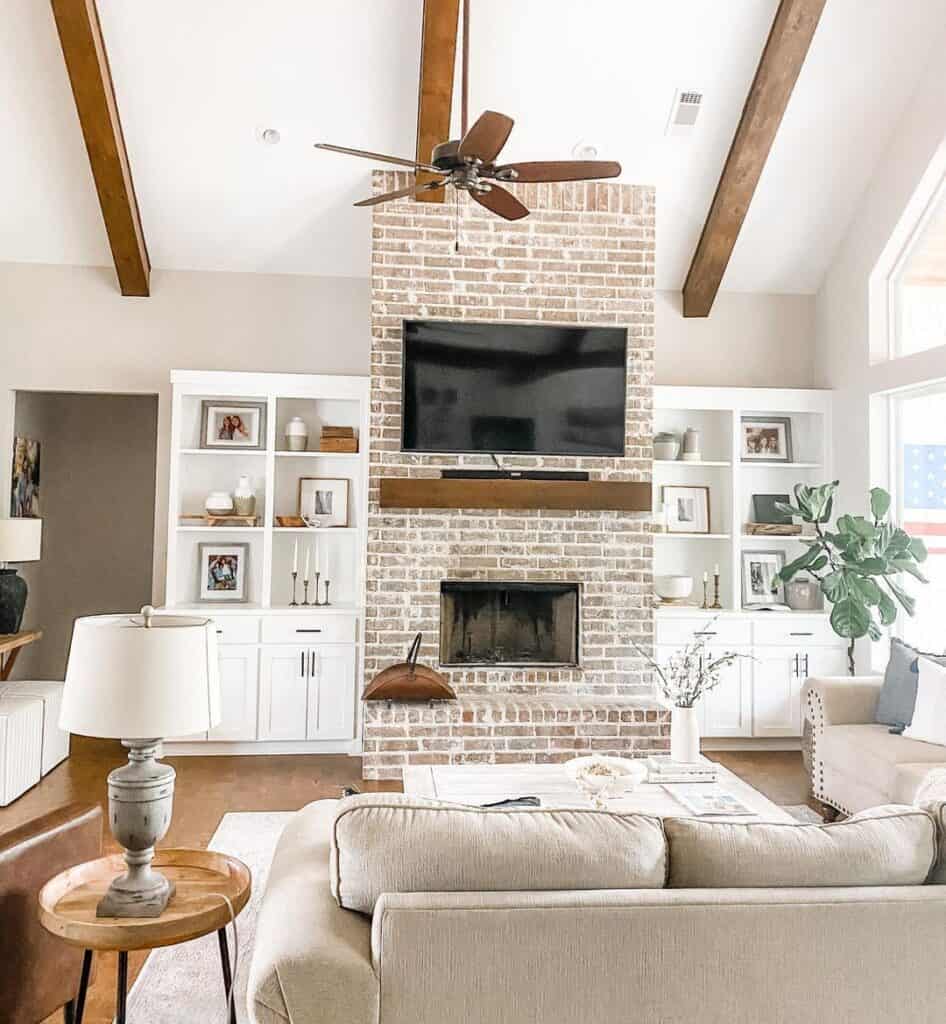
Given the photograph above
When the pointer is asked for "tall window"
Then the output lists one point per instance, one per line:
(918, 285)
(920, 454)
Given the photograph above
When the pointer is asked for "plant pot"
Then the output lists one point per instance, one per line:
(684, 734)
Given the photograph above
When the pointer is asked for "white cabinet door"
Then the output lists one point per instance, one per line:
(727, 709)
(283, 684)
(776, 692)
(823, 661)
(331, 693)
(239, 675)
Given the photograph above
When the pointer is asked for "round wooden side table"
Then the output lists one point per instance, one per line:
(67, 905)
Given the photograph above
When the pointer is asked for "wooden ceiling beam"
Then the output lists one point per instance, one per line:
(782, 59)
(83, 48)
(435, 96)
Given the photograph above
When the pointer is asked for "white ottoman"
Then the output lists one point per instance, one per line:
(55, 740)
(21, 745)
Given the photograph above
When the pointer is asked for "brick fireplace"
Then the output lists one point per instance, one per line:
(585, 255)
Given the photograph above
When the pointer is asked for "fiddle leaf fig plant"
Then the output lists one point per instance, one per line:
(857, 564)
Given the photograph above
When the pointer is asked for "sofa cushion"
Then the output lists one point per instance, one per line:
(871, 754)
(929, 714)
(891, 845)
(910, 779)
(898, 694)
(389, 843)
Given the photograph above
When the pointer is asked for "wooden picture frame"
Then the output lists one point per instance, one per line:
(687, 509)
(230, 425)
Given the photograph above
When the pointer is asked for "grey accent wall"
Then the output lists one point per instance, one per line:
(97, 491)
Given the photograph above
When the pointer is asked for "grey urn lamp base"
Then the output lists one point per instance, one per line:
(12, 600)
(140, 800)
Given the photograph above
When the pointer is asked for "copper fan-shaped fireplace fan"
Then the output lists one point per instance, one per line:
(409, 681)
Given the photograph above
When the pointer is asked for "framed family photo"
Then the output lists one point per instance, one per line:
(24, 495)
(233, 425)
(323, 502)
(759, 586)
(222, 572)
(687, 509)
(766, 439)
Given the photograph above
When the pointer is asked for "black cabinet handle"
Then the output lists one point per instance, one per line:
(302, 663)
(706, 632)
(308, 630)
(806, 664)
(311, 664)
(801, 634)
(797, 672)
(219, 632)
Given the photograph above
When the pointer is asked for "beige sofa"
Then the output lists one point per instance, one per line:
(718, 954)
(856, 763)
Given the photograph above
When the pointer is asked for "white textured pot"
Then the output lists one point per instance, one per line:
(296, 434)
(684, 734)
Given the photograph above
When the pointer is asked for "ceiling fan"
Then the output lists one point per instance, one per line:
(469, 163)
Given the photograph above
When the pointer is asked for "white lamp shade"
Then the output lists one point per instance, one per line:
(126, 680)
(20, 540)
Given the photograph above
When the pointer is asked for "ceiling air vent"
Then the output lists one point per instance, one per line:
(684, 112)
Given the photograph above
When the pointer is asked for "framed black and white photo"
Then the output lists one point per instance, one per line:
(766, 439)
(222, 572)
(233, 425)
(759, 586)
(323, 502)
(687, 509)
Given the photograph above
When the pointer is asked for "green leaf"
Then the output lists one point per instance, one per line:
(866, 589)
(872, 566)
(819, 563)
(887, 609)
(899, 543)
(917, 548)
(787, 510)
(905, 565)
(850, 618)
(879, 502)
(873, 631)
(834, 586)
(906, 602)
(802, 562)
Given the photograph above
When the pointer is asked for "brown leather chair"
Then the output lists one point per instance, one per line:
(38, 972)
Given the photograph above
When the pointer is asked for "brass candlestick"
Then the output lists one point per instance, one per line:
(305, 592)
(293, 603)
(327, 585)
(705, 603)
(317, 602)
(716, 601)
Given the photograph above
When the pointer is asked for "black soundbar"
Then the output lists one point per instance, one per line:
(512, 474)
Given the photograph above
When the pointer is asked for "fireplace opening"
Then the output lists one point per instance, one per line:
(506, 623)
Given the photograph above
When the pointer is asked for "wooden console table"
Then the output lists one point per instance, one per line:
(10, 646)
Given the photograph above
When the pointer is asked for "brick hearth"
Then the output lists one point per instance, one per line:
(585, 255)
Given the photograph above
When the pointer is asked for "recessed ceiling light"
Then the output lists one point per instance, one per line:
(583, 150)
(270, 136)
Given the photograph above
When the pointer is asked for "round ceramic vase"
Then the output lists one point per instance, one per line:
(684, 734)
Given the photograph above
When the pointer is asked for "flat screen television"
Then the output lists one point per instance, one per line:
(544, 389)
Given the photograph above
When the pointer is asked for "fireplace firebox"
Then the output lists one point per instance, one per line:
(509, 623)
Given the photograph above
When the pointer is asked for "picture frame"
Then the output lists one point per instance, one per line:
(764, 509)
(766, 439)
(232, 425)
(223, 572)
(24, 489)
(323, 501)
(687, 509)
(758, 573)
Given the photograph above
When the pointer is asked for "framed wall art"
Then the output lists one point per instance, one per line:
(24, 493)
(222, 572)
(687, 509)
(233, 425)
(766, 439)
(323, 502)
(759, 586)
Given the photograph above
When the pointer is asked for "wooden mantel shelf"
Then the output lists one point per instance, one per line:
(560, 495)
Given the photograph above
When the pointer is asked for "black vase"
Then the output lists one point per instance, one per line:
(12, 600)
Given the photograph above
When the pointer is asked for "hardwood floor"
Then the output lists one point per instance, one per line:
(209, 787)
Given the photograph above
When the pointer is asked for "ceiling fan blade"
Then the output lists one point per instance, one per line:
(487, 136)
(561, 170)
(378, 156)
(501, 202)
(399, 194)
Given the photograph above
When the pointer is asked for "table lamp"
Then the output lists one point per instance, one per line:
(20, 541)
(139, 678)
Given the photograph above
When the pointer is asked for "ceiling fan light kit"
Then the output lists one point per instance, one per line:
(469, 164)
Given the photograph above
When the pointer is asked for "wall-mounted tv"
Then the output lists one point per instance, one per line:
(544, 389)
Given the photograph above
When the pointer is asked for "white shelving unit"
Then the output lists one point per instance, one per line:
(274, 655)
(759, 701)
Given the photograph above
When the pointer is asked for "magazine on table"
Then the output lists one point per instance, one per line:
(705, 800)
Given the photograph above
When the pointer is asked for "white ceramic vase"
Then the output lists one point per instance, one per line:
(297, 434)
(244, 498)
(684, 734)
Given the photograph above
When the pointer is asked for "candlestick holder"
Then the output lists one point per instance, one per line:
(316, 602)
(705, 603)
(328, 583)
(716, 602)
(305, 592)
(293, 603)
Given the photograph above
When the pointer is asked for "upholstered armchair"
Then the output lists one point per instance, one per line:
(39, 973)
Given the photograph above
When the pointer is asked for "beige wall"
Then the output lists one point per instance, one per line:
(749, 340)
(97, 477)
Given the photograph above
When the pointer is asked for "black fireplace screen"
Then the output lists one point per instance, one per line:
(487, 623)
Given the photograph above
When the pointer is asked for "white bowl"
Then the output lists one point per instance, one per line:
(673, 588)
(617, 775)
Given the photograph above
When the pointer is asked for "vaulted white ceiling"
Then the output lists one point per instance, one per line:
(196, 81)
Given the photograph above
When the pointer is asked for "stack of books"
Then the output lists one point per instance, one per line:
(338, 439)
(662, 769)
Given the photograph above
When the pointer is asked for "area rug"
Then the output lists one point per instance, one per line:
(189, 976)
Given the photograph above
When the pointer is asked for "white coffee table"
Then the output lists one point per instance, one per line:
(480, 784)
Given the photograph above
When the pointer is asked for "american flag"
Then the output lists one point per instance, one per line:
(924, 491)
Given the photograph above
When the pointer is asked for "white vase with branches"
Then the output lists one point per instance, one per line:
(685, 676)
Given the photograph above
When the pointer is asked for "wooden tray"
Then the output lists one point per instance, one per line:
(227, 520)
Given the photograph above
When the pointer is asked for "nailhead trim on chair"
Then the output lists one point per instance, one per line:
(816, 717)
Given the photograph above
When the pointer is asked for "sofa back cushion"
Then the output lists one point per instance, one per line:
(897, 699)
(389, 843)
(889, 845)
